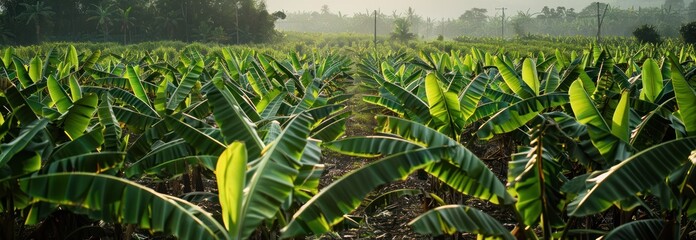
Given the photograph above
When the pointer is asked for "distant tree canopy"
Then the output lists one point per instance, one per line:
(481, 22)
(135, 20)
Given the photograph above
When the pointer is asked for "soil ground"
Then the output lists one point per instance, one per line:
(391, 221)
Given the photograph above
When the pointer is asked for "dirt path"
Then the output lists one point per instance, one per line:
(387, 222)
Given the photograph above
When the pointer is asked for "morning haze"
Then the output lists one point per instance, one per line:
(440, 8)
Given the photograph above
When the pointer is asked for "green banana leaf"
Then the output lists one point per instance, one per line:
(95, 162)
(229, 172)
(10, 149)
(471, 96)
(386, 103)
(371, 146)
(520, 113)
(19, 105)
(686, 99)
(331, 128)
(451, 219)
(512, 80)
(112, 128)
(411, 103)
(203, 143)
(271, 179)
(21, 72)
(35, 69)
(115, 199)
(188, 80)
(233, 123)
(133, 101)
(86, 143)
(530, 76)
(344, 195)
(75, 88)
(79, 115)
(641, 229)
(463, 170)
(587, 113)
(136, 85)
(632, 176)
(444, 108)
(652, 81)
(160, 153)
(58, 95)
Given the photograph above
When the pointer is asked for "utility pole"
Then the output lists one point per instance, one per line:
(502, 31)
(375, 37)
(442, 29)
(600, 20)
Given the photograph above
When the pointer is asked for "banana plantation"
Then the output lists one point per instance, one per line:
(218, 142)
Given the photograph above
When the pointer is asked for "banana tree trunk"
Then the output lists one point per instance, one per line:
(37, 27)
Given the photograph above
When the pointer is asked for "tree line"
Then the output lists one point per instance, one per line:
(127, 21)
(481, 22)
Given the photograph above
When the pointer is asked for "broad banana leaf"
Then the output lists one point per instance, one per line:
(411, 103)
(131, 100)
(21, 72)
(19, 105)
(136, 84)
(271, 179)
(202, 142)
(620, 122)
(587, 113)
(463, 170)
(233, 123)
(641, 229)
(87, 143)
(95, 162)
(331, 128)
(345, 194)
(632, 176)
(444, 108)
(111, 198)
(35, 69)
(371, 146)
(386, 103)
(471, 96)
(8, 150)
(188, 80)
(686, 99)
(58, 95)
(79, 115)
(520, 113)
(513, 80)
(229, 171)
(530, 76)
(160, 153)
(75, 88)
(112, 128)
(451, 219)
(652, 81)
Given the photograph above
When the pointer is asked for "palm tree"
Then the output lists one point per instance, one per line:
(36, 13)
(6, 34)
(102, 15)
(126, 22)
(169, 22)
(402, 31)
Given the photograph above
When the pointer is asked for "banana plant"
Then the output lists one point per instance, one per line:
(669, 179)
(410, 147)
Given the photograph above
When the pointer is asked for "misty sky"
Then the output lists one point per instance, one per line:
(441, 8)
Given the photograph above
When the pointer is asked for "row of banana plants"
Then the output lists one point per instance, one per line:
(132, 141)
(605, 134)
